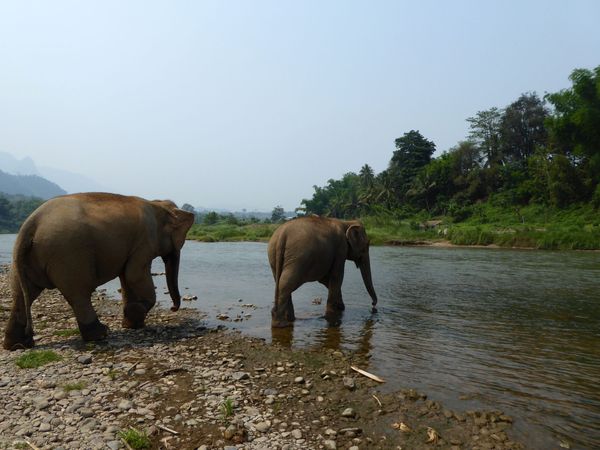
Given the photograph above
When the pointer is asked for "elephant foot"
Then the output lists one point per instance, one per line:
(15, 339)
(134, 316)
(282, 317)
(281, 323)
(95, 331)
(333, 316)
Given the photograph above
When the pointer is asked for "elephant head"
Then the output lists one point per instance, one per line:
(174, 224)
(358, 251)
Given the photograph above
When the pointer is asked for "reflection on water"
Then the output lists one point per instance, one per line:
(512, 330)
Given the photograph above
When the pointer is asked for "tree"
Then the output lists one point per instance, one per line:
(189, 208)
(574, 126)
(278, 214)
(413, 152)
(367, 176)
(485, 131)
(211, 218)
(522, 128)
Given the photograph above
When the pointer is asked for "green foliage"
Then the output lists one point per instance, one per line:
(231, 233)
(67, 333)
(211, 218)
(36, 358)
(413, 152)
(227, 407)
(278, 214)
(74, 386)
(485, 132)
(516, 158)
(14, 210)
(135, 439)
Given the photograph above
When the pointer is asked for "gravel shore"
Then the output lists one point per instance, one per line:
(189, 387)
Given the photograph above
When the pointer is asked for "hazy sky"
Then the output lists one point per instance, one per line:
(248, 104)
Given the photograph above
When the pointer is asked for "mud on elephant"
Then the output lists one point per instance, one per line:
(316, 249)
(78, 242)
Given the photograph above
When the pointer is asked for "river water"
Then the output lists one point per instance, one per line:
(512, 330)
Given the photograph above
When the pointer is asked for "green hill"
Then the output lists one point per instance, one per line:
(29, 185)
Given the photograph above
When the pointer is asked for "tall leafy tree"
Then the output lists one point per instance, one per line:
(413, 152)
(574, 126)
(485, 131)
(367, 176)
(278, 214)
(522, 128)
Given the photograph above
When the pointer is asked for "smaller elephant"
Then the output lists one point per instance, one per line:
(316, 249)
(78, 242)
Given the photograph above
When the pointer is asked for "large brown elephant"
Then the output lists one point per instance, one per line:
(316, 249)
(77, 242)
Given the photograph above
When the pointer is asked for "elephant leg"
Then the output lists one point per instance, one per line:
(139, 296)
(335, 303)
(90, 327)
(282, 314)
(15, 334)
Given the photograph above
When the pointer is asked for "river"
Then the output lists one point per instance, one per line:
(514, 330)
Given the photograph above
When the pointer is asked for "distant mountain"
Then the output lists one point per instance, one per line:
(71, 182)
(29, 185)
(10, 164)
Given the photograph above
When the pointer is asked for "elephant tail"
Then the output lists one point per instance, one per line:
(22, 247)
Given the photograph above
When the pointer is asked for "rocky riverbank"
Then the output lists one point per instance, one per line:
(189, 387)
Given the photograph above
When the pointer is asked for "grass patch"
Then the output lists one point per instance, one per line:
(67, 333)
(74, 386)
(136, 439)
(37, 358)
(227, 408)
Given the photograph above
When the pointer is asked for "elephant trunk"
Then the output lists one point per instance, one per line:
(172, 271)
(365, 271)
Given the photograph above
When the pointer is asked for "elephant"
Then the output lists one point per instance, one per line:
(316, 249)
(78, 242)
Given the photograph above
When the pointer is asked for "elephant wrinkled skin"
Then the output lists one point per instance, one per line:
(78, 242)
(316, 249)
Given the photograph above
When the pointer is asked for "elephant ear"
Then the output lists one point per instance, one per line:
(357, 238)
(180, 222)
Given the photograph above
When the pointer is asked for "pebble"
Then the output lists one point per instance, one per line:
(348, 412)
(263, 427)
(329, 444)
(84, 359)
(349, 383)
(125, 405)
(86, 412)
(237, 376)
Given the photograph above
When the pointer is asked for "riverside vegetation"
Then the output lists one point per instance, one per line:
(527, 175)
(532, 226)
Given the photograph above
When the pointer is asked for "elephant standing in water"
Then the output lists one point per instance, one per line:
(316, 249)
(77, 242)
